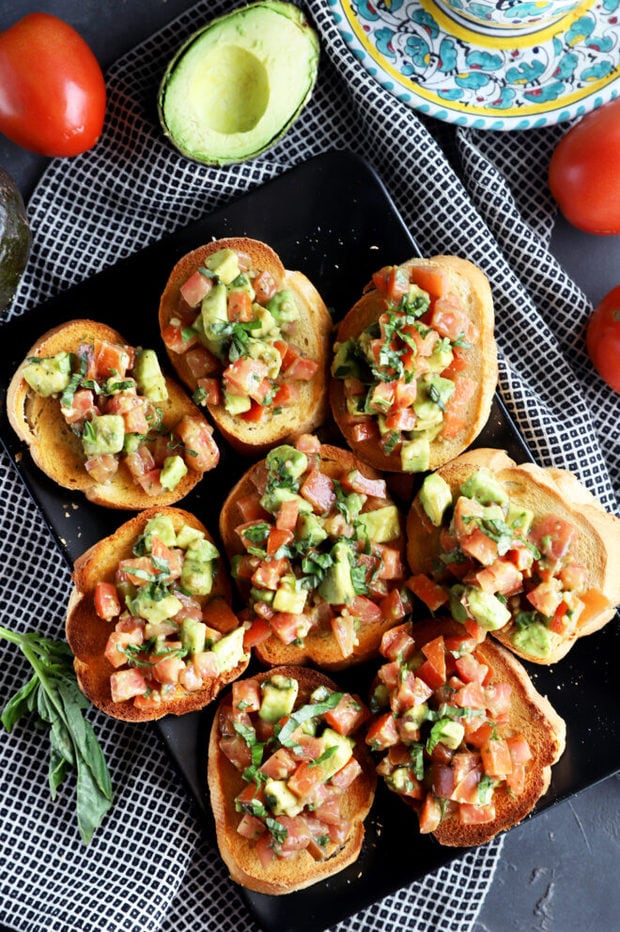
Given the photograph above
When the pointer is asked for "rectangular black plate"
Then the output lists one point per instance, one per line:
(333, 219)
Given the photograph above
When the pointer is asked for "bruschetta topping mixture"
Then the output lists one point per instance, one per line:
(236, 331)
(163, 644)
(443, 726)
(404, 380)
(111, 397)
(297, 761)
(322, 553)
(499, 563)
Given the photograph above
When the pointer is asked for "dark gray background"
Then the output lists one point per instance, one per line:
(560, 871)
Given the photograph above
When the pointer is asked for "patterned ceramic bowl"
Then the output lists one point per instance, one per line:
(508, 15)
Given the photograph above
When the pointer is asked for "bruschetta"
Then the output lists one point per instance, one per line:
(317, 550)
(524, 552)
(250, 339)
(149, 619)
(290, 778)
(414, 367)
(100, 417)
(463, 735)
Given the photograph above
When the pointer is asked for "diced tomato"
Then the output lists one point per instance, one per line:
(453, 418)
(412, 690)
(401, 419)
(150, 482)
(380, 398)
(481, 736)
(107, 602)
(348, 715)
(466, 788)
(288, 512)
(264, 286)
(297, 835)
(430, 675)
(278, 538)
(344, 630)
(318, 489)
(306, 777)
(289, 626)
(496, 758)
(365, 610)
(101, 467)
(561, 622)
(474, 630)
(201, 362)
(553, 536)
(250, 827)
(574, 576)
(236, 749)
(431, 593)
(111, 359)
(383, 732)
(594, 602)
(117, 641)
(430, 814)
(546, 596)
(279, 765)
(395, 605)
(167, 670)
(344, 777)
(255, 413)
(82, 406)
(301, 369)
(269, 572)
(471, 695)
(501, 576)
(392, 282)
(472, 815)
(245, 376)
(431, 280)
(480, 546)
(308, 443)
(218, 614)
(498, 699)
(179, 337)
(287, 394)
(450, 320)
(519, 748)
(460, 362)
(250, 508)
(515, 780)
(246, 695)
(366, 429)
(125, 684)
(195, 288)
(239, 306)
(259, 631)
(398, 643)
(435, 653)
(211, 389)
(470, 670)
(356, 481)
(201, 452)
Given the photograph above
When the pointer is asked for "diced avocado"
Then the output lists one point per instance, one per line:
(285, 460)
(441, 357)
(279, 799)
(104, 433)
(229, 650)
(438, 389)
(132, 442)
(458, 595)
(160, 526)
(310, 529)
(334, 760)
(193, 635)
(489, 611)
(283, 306)
(428, 411)
(289, 597)
(225, 264)
(264, 322)
(418, 299)
(153, 609)
(435, 498)
(198, 567)
(242, 283)
(535, 639)
(267, 353)
(519, 518)
(278, 695)
(483, 487)
(272, 500)
(214, 317)
(399, 780)
(237, 404)
(49, 374)
(148, 375)
(261, 595)
(187, 534)
(446, 731)
(337, 585)
(415, 455)
(172, 471)
(381, 524)
(345, 363)
(412, 718)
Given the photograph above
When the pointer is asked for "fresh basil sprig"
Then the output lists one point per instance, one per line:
(53, 695)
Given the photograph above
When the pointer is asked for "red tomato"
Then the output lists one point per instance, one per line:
(53, 92)
(584, 171)
(603, 338)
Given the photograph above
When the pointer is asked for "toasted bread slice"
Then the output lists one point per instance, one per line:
(59, 452)
(320, 645)
(88, 634)
(304, 868)
(593, 549)
(474, 373)
(310, 334)
(525, 713)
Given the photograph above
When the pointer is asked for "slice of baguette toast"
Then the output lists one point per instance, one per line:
(311, 335)
(543, 491)
(530, 714)
(87, 633)
(284, 876)
(319, 646)
(469, 284)
(58, 452)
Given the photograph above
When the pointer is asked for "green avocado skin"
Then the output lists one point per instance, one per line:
(15, 238)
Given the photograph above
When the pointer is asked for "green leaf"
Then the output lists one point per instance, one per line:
(19, 704)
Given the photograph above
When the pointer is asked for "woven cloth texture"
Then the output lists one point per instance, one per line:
(148, 867)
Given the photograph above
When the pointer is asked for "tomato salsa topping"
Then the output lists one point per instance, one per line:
(499, 562)
(111, 397)
(443, 727)
(297, 762)
(322, 553)
(162, 645)
(403, 375)
(236, 330)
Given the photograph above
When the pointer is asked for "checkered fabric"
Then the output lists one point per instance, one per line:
(487, 201)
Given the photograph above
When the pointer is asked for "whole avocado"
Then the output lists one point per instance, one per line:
(15, 238)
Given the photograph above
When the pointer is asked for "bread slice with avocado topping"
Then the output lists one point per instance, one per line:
(290, 779)
(100, 417)
(415, 364)
(524, 552)
(250, 339)
(149, 619)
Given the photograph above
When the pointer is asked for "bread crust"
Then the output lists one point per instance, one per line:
(318, 648)
(87, 633)
(543, 490)
(225, 782)
(470, 284)
(530, 714)
(58, 452)
(312, 335)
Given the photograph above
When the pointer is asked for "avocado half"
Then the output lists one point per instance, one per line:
(237, 85)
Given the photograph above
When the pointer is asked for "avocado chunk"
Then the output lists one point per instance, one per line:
(279, 799)
(198, 565)
(381, 524)
(187, 534)
(172, 471)
(446, 731)
(193, 635)
(229, 650)
(278, 695)
(489, 611)
(224, 263)
(289, 597)
(148, 375)
(535, 639)
(337, 750)
(103, 434)
(283, 306)
(415, 455)
(160, 526)
(310, 529)
(286, 462)
(154, 610)
(49, 374)
(238, 84)
(337, 585)
(435, 498)
(484, 488)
